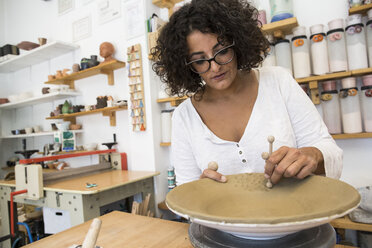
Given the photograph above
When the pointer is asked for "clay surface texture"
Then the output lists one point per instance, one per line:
(246, 199)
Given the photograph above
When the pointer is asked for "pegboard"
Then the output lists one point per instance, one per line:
(136, 90)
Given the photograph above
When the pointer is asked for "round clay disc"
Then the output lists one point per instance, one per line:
(246, 199)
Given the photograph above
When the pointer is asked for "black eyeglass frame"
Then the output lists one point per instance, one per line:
(212, 59)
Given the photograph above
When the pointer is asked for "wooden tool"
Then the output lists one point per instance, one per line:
(266, 155)
(213, 165)
(92, 235)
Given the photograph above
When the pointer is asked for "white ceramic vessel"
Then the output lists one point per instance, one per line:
(319, 50)
(300, 53)
(283, 54)
(350, 111)
(356, 43)
(337, 46)
(331, 111)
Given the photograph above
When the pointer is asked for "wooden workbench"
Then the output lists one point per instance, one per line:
(121, 229)
(83, 203)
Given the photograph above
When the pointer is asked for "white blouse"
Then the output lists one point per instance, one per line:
(282, 109)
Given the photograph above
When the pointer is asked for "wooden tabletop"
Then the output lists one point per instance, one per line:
(105, 180)
(121, 229)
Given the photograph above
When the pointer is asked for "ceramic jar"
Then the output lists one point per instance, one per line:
(281, 9)
(319, 51)
(270, 59)
(356, 43)
(369, 36)
(300, 53)
(348, 82)
(166, 125)
(367, 80)
(329, 85)
(337, 46)
(366, 101)
(350, 110)
(283, 54)
(331, 111)
(262, 16)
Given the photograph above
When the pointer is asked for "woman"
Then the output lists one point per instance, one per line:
(210, 49)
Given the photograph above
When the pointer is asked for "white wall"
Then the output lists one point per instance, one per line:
(144, 152)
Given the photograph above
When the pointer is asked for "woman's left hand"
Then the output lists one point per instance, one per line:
(293, 162)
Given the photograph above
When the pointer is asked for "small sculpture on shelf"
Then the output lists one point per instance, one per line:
(75, 67)
(65, 72)
(59, 74)
(101, 102)
(106, 51)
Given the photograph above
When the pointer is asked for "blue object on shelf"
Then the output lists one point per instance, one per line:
(281, 16)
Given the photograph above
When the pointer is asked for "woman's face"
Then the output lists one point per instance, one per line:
(205, 46)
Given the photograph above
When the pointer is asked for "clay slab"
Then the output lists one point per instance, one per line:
(244, 201)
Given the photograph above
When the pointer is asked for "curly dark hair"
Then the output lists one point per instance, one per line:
(230, 20)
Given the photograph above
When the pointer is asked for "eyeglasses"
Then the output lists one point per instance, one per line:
(222, 57)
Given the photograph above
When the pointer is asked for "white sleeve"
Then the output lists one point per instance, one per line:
(182, 158)
(309, 127)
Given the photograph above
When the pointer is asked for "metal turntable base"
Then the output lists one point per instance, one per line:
(323, 236)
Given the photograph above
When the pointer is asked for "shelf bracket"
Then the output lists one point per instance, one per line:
(71, 119)
(110, 76)
(112, 115)
(70, 83)
(314, 92)
(175, 103)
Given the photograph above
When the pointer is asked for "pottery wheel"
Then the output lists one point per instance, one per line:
(245, 207)
(322, 236)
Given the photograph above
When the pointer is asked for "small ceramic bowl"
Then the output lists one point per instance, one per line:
(28, 130)
(25, 95)
(13, 98)
(63, 126)
(75, 126)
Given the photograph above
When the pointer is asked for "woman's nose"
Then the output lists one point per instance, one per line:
(214, 66)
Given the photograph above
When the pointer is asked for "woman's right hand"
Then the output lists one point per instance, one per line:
(212, 173)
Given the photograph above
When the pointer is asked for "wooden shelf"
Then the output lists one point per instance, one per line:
(361, 72)
(108, 111)
(285, 25)
(106, 68)
(165, 144)
(18, 136)
(352, 135)
(39, 99)
(166, 4)
(174, 101)
(346, 223)
(37, 55)
(65, 155)
(360, 9)
(336, 75)
(330, 76)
